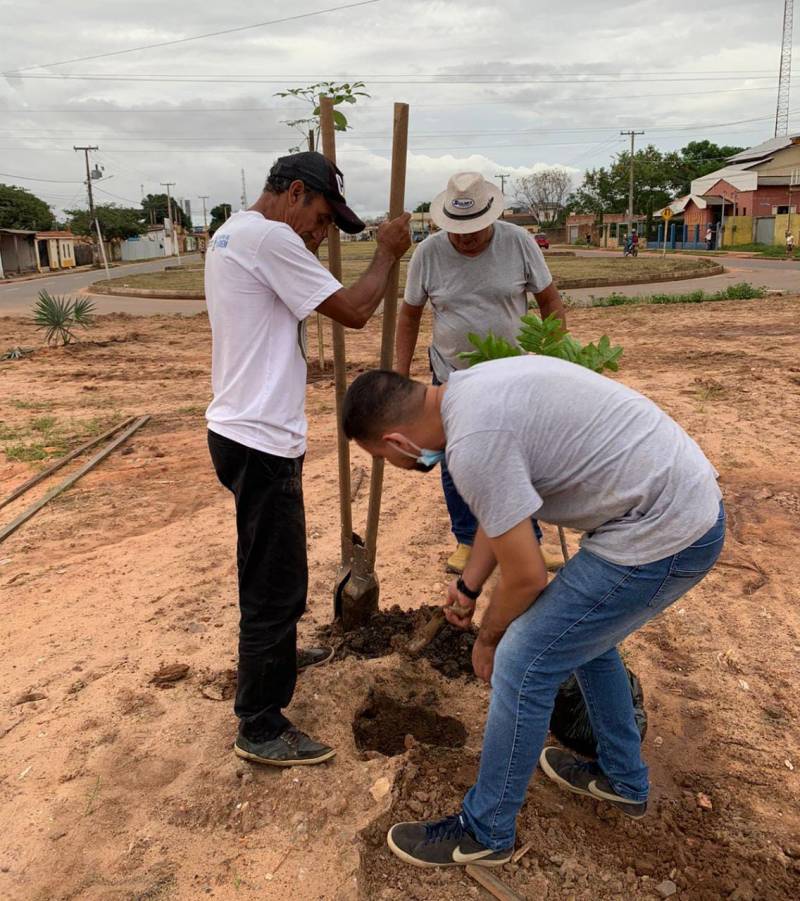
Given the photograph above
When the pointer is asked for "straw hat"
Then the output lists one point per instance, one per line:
(469, 204)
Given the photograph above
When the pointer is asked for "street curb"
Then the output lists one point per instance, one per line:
(163, 293)
(575, 283)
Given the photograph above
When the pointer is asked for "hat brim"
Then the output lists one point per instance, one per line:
(464, 225)
(344, 218)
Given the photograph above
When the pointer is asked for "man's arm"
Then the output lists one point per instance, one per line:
(523, 577)
(407, 334)
(353, 306)
(549, 301)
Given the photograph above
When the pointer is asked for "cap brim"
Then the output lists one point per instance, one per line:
(345, 219)
(467, 226)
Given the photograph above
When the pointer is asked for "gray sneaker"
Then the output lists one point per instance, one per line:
(291, 748)
(585, 778)
(442, 843)
(308, 658)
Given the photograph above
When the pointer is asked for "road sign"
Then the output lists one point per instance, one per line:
(666, 213)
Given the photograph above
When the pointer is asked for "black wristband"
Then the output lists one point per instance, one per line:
(461, 585)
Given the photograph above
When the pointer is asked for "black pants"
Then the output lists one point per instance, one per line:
(273, 578)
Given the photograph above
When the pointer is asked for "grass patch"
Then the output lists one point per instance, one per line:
(357, 255)
(44, 437)
(194, 410)
(616, 270)
(31, 405)
(740, 291)
(771, 251)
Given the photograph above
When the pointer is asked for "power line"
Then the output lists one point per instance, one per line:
(54, 181)
(504, 80)
(172, 110)
(197, 37)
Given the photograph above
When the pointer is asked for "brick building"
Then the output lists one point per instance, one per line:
(753, 199)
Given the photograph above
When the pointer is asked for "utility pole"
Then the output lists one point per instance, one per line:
(92, 215)
(168, 185)
(204, 198)
(630, 186)
(244, 192)
(503, 191)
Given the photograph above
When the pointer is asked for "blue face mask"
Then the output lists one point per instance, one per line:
(425, 460)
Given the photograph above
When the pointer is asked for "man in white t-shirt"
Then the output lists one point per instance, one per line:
(476, 272)
(262, 281)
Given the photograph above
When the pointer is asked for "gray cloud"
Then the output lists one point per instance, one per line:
(499, 125)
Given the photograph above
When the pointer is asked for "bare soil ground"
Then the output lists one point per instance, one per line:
(116, 783)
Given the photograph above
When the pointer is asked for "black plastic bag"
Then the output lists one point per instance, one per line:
(570, 724)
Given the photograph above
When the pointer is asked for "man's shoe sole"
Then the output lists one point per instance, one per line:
(302, 669)
(415, 862)
(559, 780)
(270, 761)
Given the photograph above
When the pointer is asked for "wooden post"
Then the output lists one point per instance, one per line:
(339, 361)
(320, 333)
(396, 203)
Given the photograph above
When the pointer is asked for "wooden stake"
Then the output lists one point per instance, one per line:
(518, 855)
(71, 480)
(492, 884)
(339, 360)
(396, 203)
(562, 537)
(54, 467)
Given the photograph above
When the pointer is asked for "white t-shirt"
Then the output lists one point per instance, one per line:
(261, 284)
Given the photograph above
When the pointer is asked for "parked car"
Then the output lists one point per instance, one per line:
(542, 241)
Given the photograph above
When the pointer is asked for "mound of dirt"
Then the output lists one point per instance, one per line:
(450, 651)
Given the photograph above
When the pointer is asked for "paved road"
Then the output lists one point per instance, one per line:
(775, 274)
(17, 298)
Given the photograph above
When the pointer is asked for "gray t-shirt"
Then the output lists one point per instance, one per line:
(536, 435)
(482, 294)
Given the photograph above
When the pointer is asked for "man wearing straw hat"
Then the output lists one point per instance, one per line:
(262, 282)
(476, 272)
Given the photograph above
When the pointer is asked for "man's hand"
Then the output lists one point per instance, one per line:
(394, 236)
(483, 658)
(458, 608)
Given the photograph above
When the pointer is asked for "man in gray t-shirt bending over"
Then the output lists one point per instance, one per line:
(536, 435)
(476, 273)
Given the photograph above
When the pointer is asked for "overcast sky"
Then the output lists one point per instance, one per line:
(679, 70)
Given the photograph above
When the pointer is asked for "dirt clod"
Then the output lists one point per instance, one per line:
(383, 723)
(172, 672)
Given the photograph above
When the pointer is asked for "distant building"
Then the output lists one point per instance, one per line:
(56, 250)
(607, 230)
(752, 199)
(17, 252)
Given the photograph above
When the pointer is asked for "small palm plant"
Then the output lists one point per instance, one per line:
(58, 316)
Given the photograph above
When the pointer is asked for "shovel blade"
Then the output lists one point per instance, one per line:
(358, 592)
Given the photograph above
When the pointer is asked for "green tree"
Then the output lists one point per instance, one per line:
(21, 209)
(116, 222)
(157, 204)
(349, 92)
(698, 158)
(658, 178)
(424, 207)
(218, 215)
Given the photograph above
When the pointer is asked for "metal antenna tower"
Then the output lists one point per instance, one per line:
(785, 77)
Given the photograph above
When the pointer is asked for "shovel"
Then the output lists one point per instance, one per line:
(356, 590)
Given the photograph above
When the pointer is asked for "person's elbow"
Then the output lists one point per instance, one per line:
(529, 583)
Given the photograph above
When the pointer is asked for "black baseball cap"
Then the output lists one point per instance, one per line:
(318, 173)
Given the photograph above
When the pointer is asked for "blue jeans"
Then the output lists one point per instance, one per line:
(462, 521)
(575, 626)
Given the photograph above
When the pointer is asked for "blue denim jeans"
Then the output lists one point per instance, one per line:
(575, 626)
(462, 521)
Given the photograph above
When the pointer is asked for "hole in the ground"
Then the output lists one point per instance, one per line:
(384, 722)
